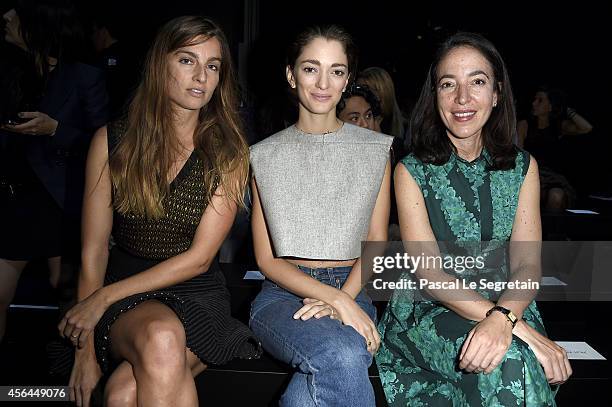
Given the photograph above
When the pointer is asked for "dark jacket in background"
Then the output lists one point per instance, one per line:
(76, 97)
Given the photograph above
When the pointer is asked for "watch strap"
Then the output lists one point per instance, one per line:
(509, 314)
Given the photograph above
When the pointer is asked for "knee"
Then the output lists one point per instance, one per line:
(161, 346)
(347, 354)
(120, 393)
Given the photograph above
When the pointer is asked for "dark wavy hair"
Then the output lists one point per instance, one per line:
(431, 144)
(328, 32)
(361, 91)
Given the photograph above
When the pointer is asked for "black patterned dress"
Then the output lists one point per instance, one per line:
(202, 303)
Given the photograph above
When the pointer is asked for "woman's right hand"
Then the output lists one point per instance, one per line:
(84, 376)
(351, 314)
(551, 356)
(486, 344)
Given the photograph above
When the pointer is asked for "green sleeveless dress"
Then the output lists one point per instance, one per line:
(421, 340)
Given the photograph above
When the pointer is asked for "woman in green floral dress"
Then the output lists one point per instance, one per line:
(466, 182)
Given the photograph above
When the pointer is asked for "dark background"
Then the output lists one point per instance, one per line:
(559, 44)
(543, 42)
(563, 45)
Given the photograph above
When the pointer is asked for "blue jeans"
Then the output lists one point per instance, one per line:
(331, 359)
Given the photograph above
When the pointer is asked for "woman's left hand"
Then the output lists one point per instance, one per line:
(486, 344)
(80, 320)
(315, 308)
(39, 124)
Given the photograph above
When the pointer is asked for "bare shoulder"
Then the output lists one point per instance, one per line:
(98, 149)
(100, 139)
(533, 165)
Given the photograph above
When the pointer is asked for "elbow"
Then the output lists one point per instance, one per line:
(91, 253)
(378, 236)
(263, 263)
(202, 266)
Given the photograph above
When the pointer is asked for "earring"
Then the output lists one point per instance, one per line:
(494, 104)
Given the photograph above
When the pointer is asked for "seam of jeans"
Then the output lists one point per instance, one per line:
(276, 335)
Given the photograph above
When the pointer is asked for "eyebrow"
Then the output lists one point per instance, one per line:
(474, 73)
(194, 55)
(317, 62)
(359, 113)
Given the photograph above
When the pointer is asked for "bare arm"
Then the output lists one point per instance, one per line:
(97, 218)
(576, 124)
(525, 263)
(96, 227)
(525, 243)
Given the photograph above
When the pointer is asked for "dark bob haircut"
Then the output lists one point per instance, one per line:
(430, 142)
(360, 91)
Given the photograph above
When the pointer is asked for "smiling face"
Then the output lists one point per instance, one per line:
(12, 32)
(466, 92)
(358, 111)
(194, 74)
(320, 75)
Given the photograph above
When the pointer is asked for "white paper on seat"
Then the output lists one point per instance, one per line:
(580, 350)
(549, 280)
(582, 211)
(253, 275)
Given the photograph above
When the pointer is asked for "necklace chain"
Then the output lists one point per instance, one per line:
(324, 133)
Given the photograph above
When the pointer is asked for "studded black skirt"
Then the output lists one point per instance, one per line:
(202, 304)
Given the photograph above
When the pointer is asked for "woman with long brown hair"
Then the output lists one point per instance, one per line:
(166, 183)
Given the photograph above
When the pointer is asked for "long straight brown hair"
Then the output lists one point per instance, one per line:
(140, 163)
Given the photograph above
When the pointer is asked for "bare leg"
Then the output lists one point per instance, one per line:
(152, 340)
(55, 269)
(10, 270)
(120, 389)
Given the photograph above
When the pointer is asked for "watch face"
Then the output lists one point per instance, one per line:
(509, 314)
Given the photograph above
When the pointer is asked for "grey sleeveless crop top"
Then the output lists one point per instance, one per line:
(318, 191)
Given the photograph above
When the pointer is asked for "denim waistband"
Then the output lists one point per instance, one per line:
(333, 275)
